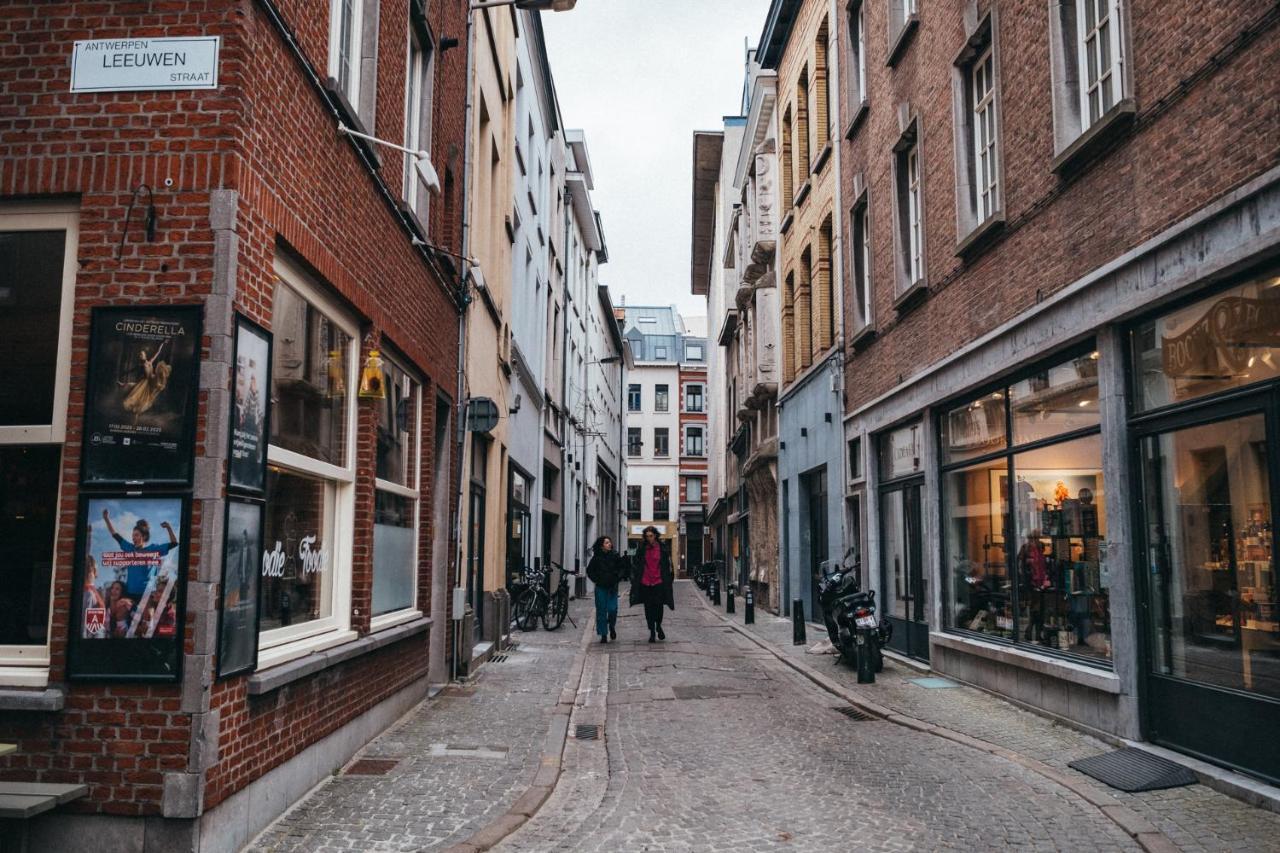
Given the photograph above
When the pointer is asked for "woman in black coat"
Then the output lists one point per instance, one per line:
(606, 570)
(652, 581)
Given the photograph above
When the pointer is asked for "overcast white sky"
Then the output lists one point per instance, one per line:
(639, 76)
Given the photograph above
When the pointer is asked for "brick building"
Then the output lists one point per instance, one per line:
(192, 720)
(1060, 239)
(693, 449)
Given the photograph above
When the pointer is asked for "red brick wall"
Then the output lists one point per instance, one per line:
(1180, 154)
(267, 134)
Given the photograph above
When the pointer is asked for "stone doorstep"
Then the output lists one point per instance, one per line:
(1133, 824)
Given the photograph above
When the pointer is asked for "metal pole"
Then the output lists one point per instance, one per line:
(797, 623)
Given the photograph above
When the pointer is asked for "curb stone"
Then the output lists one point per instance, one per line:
(539, 790)
(1150, 838)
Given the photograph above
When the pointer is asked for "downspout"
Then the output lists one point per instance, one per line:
(564, 376)
(463, 315)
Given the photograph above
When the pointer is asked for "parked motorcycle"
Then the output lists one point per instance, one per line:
(850, 616)
(703, 574)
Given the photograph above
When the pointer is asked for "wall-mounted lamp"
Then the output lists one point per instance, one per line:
(421, 159)
(373, 386)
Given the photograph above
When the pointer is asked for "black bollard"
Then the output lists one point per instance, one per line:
(750, 600)
(797, 623)
(715, 591)
(728, 600)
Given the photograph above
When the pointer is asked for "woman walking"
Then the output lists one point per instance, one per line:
(652, 581)
(605, 570)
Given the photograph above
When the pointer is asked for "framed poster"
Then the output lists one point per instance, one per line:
(140, 405)
(131, 563)
(247, 454)
(238, 605)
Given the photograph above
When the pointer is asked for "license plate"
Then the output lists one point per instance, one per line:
(866, 621)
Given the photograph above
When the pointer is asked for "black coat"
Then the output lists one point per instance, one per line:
(607, 569)
(668, 577)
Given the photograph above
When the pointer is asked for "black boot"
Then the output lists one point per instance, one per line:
(652, 638)
(613, 626)
(661, 636)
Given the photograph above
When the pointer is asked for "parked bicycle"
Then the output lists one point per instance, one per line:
(536, 602)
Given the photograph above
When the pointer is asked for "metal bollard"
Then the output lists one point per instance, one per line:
(715, 591)
(797, 623)
(749, 598)
(728, 601)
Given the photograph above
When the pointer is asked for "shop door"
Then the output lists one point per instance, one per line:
(475, 561)
(1213, 630)
(815, 487)
(902, 569)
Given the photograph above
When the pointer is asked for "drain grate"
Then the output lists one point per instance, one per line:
(586, 732)
(498, 658)
(1133, 770)
(856, 714)
(372, 767)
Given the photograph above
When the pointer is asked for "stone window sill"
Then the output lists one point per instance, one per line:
(276, 677)
(911, 297)
(48, 699)
(854, 123)
(980, 235)
(786, 222)
(353, 120)
(1089, 143)
(802, 194)
(821, 160)
(1076, 673)
(862, 338)
(904, 38)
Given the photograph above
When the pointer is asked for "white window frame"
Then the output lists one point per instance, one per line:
(656, 431)
(986, 136)
(685, 438)
(702, 392)
(688, 480)
(858, 46)
(701, 352)
(665, 405)
(860, 274)
(419, 93)
(1089, 44)
(915, 223)
(279, 645)
(28, 666)
(352, 88)
(413, 493)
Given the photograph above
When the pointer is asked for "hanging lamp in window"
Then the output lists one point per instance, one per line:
(373, 384)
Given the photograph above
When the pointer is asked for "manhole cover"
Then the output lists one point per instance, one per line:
(855, 714)
(372, 767)
(1134, 770)
(586, 732)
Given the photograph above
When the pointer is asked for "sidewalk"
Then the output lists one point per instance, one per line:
(1193, 818)
(452, 767)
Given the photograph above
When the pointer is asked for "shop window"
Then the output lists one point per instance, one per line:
(661, 503)
(1025, 530)
(37, 279)
(395, 523)
(1223, 342)
(305, 591)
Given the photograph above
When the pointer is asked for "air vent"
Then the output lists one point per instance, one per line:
(498, 658)
(586, 732)
(855, 714)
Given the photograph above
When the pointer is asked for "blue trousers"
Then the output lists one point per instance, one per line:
(606, 610)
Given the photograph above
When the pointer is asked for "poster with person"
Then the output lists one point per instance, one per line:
(131, 574)
(140, 406)
(241, 568)
(252, 387)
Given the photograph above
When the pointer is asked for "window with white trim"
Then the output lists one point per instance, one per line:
(860, 251)
(1088, 64)
(1099, 57)
(419, 94)
(396, 495)
(985, 150)
(37, 285)
(660, 398)
(857, 56)
(977, 132)
(346, 21)
(693, 441)
(693, 490)
(305, 594)
(661, 441)
(693, 398)
(909, 211)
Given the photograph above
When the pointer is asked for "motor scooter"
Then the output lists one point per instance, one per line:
(850, 617)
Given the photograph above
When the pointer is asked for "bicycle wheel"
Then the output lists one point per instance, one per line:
(556, 610)
(526, 611)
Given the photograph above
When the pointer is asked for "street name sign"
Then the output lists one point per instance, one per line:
(145, 64)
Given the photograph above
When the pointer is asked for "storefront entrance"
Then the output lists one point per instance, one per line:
(1207, 520)
(814, 484)
(902, 581)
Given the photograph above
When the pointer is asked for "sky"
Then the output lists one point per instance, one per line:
(639, 77)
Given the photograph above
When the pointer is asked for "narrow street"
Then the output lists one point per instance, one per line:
(710, 741)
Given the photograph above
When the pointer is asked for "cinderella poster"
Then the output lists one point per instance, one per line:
(143, 381)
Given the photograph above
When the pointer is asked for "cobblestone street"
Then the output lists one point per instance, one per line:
(708, 741)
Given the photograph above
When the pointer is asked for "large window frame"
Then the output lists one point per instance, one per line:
(1101, 58)
(860, 262)
(695, 397)
(28, 665)
(418, 108)
(346, 37)
(279, 645)
(1007, 452)
(412, 493)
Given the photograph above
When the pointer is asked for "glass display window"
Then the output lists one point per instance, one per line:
(1024, 513)
(396, 504)
(1226, 341)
